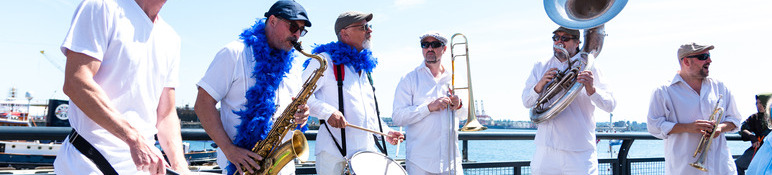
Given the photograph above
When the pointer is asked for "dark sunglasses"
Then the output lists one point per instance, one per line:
(563, 38)
(363, 27)
(701, 57)
(433, 44)
(294, 27)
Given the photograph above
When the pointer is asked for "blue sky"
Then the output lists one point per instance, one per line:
(505, 39)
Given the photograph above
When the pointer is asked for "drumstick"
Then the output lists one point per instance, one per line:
(368, 130)
(398, 141)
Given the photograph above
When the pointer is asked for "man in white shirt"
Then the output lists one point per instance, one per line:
(679, 113)
(565, 144)
(121, 71)
(350, 102)
(423, 102)
(264, 53)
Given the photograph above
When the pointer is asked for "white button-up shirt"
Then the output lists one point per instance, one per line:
(429, 134)
(574, 128)
(359, 109)
(676, 102)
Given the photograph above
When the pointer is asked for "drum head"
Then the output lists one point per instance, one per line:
(366, 163)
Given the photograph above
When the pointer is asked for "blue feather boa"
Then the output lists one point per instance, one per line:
(342, 53)
(271, 66)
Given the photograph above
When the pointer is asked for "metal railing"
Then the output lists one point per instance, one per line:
(622, 165)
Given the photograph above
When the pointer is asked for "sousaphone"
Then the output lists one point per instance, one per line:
(587, 15)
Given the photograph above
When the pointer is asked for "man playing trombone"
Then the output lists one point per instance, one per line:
(345, 95)
(565, 144)
(424, 102)
(680, 112)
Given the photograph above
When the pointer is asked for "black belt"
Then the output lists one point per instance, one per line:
(95, 156)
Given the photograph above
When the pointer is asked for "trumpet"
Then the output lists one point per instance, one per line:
(718, 113)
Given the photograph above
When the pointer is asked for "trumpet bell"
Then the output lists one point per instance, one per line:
(582, 14)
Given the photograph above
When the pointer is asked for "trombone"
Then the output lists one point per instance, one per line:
(471, 121)
(704, 145)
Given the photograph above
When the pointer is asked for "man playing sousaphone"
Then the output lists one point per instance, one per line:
(679, 113)
(345, 95)
(248, 106)
(565, 144)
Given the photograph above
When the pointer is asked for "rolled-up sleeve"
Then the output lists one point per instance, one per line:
(732, 115)
(603, 98)
(657, 120)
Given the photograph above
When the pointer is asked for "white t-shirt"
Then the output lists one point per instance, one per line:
(227, 80)
(139, 59)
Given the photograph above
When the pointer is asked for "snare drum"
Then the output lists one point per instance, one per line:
(367, 162)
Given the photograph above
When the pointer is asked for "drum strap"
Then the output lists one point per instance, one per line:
(339, 76)
(381, 146)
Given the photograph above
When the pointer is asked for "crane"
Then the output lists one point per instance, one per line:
(58, 63)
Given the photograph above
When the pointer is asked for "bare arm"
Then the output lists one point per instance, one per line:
(80, 86)
(210, 120)
(169, 131)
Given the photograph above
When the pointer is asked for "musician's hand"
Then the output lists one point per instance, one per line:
(454, 101)
(439, 104)
(700, 126)
(241, 158)
(301, 115)
(726, 126)
(337, 120)
(146, 157)
(395, 137)
(546, 78)
(586, 78)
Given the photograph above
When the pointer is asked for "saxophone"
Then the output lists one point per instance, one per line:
(276, 155)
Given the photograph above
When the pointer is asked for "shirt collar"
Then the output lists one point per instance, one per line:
(677, 78)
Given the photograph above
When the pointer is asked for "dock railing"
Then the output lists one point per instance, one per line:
(622, 165)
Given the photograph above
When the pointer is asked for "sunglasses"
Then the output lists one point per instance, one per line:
(294, 27)
(563, 38)
(701, 57)
(433, 44)
(363, 27)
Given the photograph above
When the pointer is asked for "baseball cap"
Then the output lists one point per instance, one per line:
(692, 48)
(290, 10)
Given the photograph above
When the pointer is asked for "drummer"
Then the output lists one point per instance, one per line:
(345, 95)
(423, 102)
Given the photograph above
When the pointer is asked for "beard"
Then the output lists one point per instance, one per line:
(366, 44)
(431, 59)
(704, 72)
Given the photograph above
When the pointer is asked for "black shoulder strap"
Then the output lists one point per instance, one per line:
(339, 76)
(381, 146)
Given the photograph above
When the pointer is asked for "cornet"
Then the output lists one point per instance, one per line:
(704, 145)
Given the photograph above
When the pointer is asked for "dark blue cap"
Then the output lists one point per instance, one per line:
(290, 10)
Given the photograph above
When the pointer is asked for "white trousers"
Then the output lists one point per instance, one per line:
(327, 163)
(551, 161)
(413, 169)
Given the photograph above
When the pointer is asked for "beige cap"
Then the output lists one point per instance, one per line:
(692, 48)
(435, 35)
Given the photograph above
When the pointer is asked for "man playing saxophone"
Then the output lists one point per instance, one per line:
(248, 107)
(679, 114)
(568, 139)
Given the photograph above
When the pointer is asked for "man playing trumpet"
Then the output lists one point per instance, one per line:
(679, 114)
